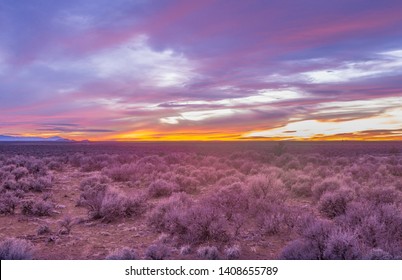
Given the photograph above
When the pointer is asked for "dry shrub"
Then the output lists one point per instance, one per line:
(122, 254)
(15, 249)
(328, 185)
(109, 205)
(343, 245)
(157, 251)
(8, 203)
(333, 204)
(192, 222)
(37, 208)
(160, 188)
(233, 252)
(208, 253)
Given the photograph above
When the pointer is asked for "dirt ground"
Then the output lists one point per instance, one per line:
(95, 240)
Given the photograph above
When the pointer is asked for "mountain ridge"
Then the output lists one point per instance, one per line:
(8, 138)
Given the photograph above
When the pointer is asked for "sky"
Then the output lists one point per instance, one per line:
(201, 70)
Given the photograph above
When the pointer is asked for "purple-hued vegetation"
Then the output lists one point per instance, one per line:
(15, 249)
(208, 253)
(233, 252)
(206, 202)
(158, 251)
(122, 254)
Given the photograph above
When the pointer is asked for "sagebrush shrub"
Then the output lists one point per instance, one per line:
(109, 205)
(232, 252)
(161, 188)
(37, 208)
(395, 170)
(135, 205)
(24, 184)
(316, 234)
(206, 175)
(321, 241)
(91, 197)
(382, 195)
(185, 250)
(8, 168)
(55, 165)
(8, 203)
(271, 217)
(355, 213)
(164, 217)
(34, 184)
(123, 254)
(201, 223)
(121, 173)
(300, 249)
(157, 251)
(233, 202)
(249, 168)
(112, 206)
(333, 204)
(75, 159)
(376, 226)
(230, 200)
(94, 182)
(398, 185)
(208, 253)
(43, 229)
(36, 167)
(265, 187)
(343, 245)
(228, 180)
(302, 186)
(391, 216)
(91, 163)
(328, 185)
(272, 224)
(15, 249)
(293, 164)
(40, 184)
(378, 254)
(10, 184)
(192, 222)
(20, 172)
(187, 184)
(371, 231)
(66, 224)
(5, 175)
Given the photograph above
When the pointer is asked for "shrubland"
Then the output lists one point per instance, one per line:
(203, 203)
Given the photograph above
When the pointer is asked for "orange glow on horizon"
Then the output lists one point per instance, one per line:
(154, 136)
(177, 136)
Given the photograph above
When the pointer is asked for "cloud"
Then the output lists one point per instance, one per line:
(260, 97)
(136, 60)
(61, 124)
(74, 130)
(382, 64)
(132, 61)
(76, 21)
(355, 106)
(196, 116)
(305, 129)
(163, 68)
(386, 64)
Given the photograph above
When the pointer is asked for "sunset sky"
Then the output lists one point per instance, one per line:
(201, 70)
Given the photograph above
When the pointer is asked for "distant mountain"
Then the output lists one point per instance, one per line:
(35, 139)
